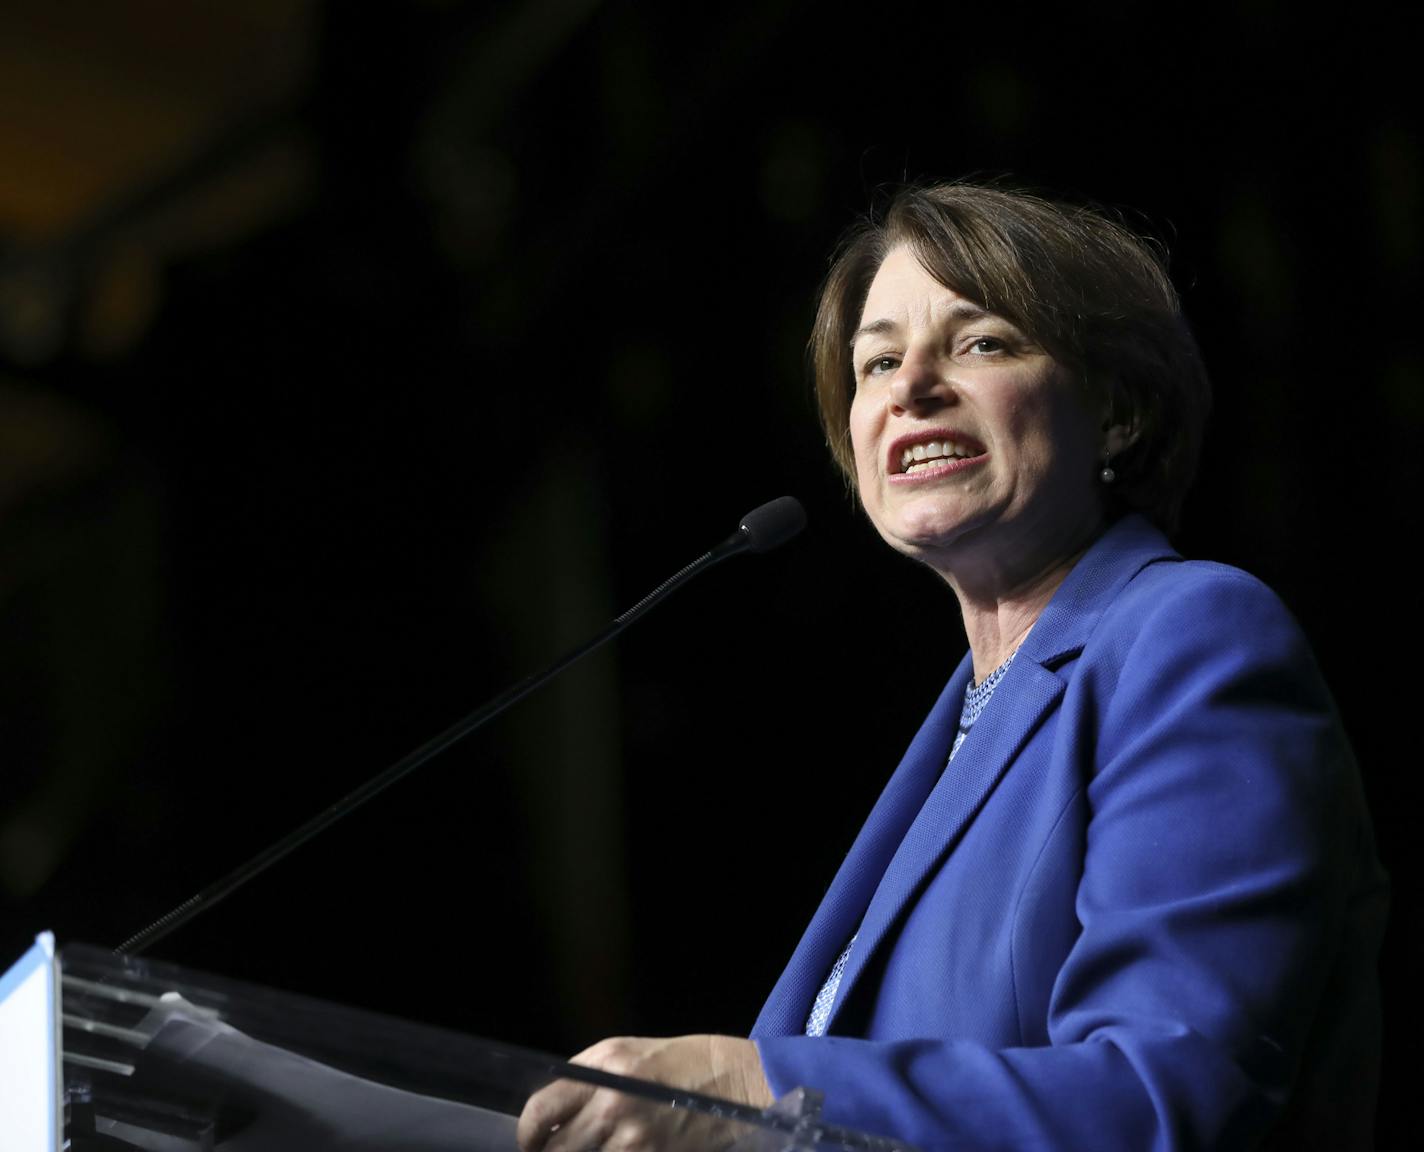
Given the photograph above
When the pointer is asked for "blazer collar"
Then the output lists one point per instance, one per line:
(1119, 554)
(925, 810)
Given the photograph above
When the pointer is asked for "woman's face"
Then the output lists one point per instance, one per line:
(973, 446)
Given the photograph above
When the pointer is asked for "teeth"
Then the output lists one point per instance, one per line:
(933, 450)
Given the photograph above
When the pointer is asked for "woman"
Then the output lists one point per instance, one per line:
(1121, 891)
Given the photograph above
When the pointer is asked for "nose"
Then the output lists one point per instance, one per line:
(920, 384)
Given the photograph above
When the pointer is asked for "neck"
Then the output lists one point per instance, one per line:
(1001, 601)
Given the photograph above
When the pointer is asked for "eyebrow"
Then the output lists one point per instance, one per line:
(959, 310)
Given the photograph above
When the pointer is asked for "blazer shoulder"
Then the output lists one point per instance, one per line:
(1132, 579)
(1202, 630)
(1197, 595)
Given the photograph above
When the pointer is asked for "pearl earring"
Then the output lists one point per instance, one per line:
(1107, 475)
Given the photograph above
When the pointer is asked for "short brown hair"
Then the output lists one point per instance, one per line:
(1093, 294)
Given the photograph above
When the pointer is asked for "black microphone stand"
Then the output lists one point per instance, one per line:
(760, 530)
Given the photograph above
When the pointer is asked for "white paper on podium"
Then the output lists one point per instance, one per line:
(303, 1105)
(29, 1052)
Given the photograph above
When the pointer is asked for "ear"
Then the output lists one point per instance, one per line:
(1120, 430)
(1118, 438)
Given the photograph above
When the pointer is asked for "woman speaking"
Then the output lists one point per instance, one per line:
(1121, 892)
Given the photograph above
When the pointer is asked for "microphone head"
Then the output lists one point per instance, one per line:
(773, 524)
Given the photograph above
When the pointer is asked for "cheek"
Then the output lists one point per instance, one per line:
(1076, 438)
(1054, 433)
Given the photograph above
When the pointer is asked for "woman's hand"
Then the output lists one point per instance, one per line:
(569, 1116)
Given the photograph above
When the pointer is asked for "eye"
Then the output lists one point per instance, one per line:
(881, 365)
(987, 346)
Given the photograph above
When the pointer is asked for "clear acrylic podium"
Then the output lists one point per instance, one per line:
(163, 1059)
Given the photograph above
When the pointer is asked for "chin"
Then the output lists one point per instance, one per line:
(923, 537)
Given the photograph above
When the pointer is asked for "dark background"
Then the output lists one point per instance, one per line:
(356, 360)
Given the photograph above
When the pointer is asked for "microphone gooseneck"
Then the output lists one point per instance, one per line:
(763, 528)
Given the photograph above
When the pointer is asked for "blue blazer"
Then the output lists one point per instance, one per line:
(1141, 910)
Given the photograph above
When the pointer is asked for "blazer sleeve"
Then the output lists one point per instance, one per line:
(1225, 834)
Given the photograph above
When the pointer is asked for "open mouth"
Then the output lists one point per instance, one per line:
(929, 455)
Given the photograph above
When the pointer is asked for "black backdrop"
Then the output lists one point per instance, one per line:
(533, 341)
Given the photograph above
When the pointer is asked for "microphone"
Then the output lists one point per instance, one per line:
(773, 524)
(762, 529)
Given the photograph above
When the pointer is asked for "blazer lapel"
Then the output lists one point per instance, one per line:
(1026, 694)
(925, 810)
(1029, 691)
(844, 905)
